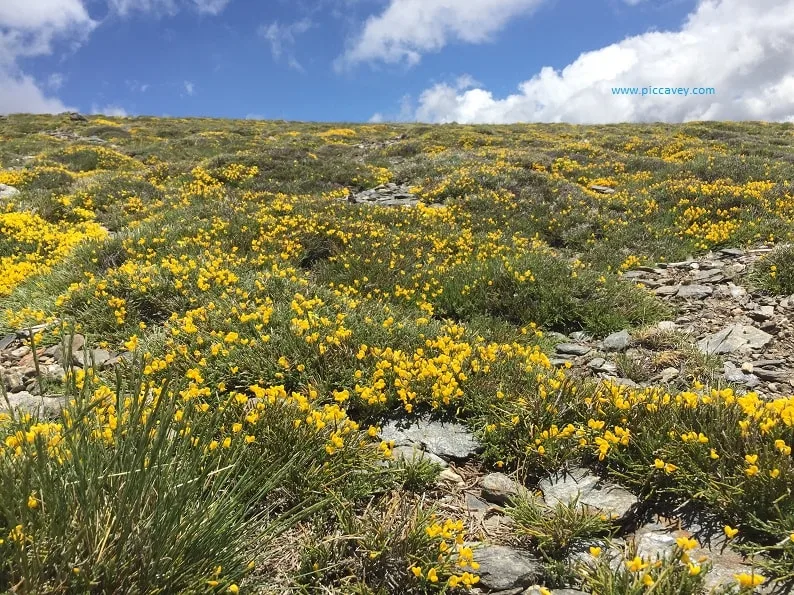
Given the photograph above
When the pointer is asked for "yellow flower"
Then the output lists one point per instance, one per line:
(595, 551)
(694, 569)
(730, 532)
(636, 565)
(417, 570)
(432, 576)
(647, 580)
(32, 502)
(233, 588)
(749, 580)
(686, 543)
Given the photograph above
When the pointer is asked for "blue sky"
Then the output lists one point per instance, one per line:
(373, 60)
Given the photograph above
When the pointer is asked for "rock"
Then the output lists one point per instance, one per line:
(42, 407)
(535, 590)
(771, 375)
(656, 541)
(6, 341)
(667, 290)
(596, 363)
(708, 276)
(734, 374)
(96, 357)
(411, 454)
(669, 374)
(734, 338)
(7, 191)
(475, 505)
(572, 349)
(450, 441)
(617, 341)
(500, 489)
(694, 291)
(20, 352)
(449, 476)
(14, 379)
(621, 382)
(666, 326)
(589, 491)
(53, 373)
(602, 189)
(732, 251)
(77, 117)
(503, 567)
(579, 336)
(763, 313)
(123, 358)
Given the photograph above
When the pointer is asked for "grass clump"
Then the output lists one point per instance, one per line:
(775, 271)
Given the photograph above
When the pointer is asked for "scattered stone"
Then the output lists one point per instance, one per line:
(475, 505)
(500, 489)
(617, 341)
(7, 191)
(734, 338)
(602, 189)
(694, 291)
(579, 336)
(448, 475)
(14, 379)
(503, 567)
(734, 374)
(450, 441)
(6, 341)
(388, 195)
(572, 349)
(666, 326)
(42, 407)
(771, 375)
(669, 374)
(20, 352)
(589, 491)
(96, 357)
(666, 290)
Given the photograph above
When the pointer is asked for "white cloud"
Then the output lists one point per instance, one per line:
(409, 28)
(19, 93)
(376, 118)
(742, 49)
(282, 40)
(211, 6)
(109, 110)
(167, 7)
(55, 81)
(190, 88)
(30, 28)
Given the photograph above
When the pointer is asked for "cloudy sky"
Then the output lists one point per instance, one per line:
(397, 60)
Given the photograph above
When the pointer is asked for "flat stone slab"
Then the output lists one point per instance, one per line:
(43, 407)
(734, 338)
(500, 489)
(572, 349)
(450, 441)
(589, 491)
(617, 341)
(694, 291)
(503, 567)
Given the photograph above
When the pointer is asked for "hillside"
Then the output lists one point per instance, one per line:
(271, 357)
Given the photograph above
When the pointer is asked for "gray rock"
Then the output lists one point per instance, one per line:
(14, 379)
(411, 454)
(500, 489)
(579, 336)
(694, 291)
(449, 476)
(475, 505)
(7, 191)
(734, 374)
(450, 441)
(666, 326)
(734, 338)
(42, 407)
(602, 189)
(96, 357)
(6, 341)
(503, 567)
(617, 341)
(572, 349)
(589, 491)
(669, 374)
(666, 290)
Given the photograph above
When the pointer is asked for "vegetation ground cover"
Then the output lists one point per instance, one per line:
(274, 327)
